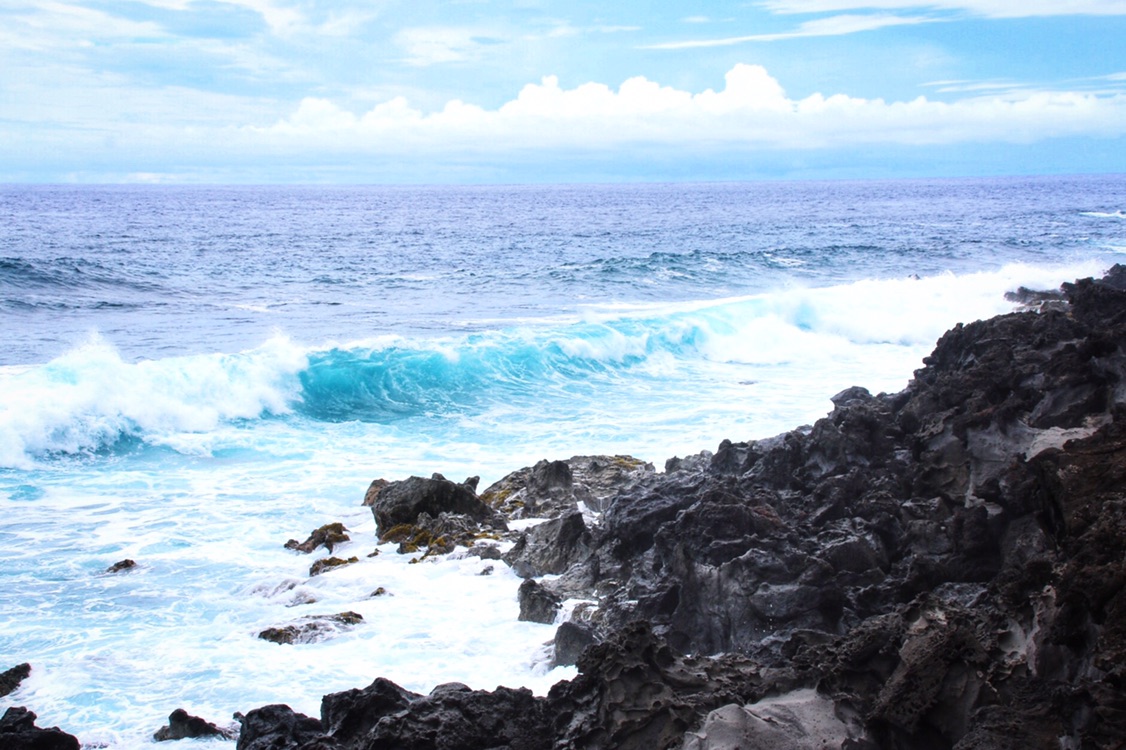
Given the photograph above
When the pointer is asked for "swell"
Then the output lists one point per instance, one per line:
(92, 400)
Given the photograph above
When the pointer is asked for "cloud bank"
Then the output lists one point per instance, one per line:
(751, 111)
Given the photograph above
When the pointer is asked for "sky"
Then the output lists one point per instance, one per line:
(528, 91)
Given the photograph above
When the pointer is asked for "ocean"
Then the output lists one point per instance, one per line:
(190, 376)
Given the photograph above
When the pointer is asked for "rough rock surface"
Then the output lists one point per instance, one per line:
(182, 725)
(18, 732)
(10, 679)
(403, 502)
(328, 536)
(311, 629)
(552, 488)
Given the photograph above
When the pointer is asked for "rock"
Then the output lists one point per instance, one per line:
(799, 720)
(311, 629)
(936, 568)
(18, 732)
(570, 640)
(451, 716)
(276, 727)
(551, 547)
(403, 502)
(373, 491)
(329, 535)
(11, 678)
(537, 604)
(182, 725)
(552, 488)
(328, 563)
(121, 565)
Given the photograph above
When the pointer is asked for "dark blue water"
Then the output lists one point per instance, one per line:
(173, 270)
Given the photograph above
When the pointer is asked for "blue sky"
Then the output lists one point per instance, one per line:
(531, 91)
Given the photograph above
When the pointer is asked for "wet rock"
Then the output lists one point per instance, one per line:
(552, 488)
(10, 679)
(18, 732)
(799, 720)
(329, 563)
(311, 629)
(551, 547)
(570, 640)
(373, 491)
(537, 604)
(328, 536)
(121, 566)
(276, 727)
(403, 502)
(936, 568)
(182, 725)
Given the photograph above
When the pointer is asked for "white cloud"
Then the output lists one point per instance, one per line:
(432, 45)
(987, 8)
(831, 26)
(53, 27)
(751, 111)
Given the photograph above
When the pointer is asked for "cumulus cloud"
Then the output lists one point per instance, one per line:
(751, 111)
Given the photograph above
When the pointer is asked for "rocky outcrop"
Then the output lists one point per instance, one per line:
(552, 488)
(182, 725)
(10, 679)
(18, 732)
(401, 503)
(311, 629)
(937, 569)
(327, 536)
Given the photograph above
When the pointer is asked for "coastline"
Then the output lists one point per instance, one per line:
(927, 565)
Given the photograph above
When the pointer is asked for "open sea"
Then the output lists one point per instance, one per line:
(190, 376)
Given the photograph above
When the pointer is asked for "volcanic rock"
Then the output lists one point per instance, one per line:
(18, 732)
(277, 727)
(403, 502)
(311, 629)
(537, 604)
(182, 725)
(121, 565)
(10, 679)
(938, 568)
(552, 488)
(551, 547)
(328, 563)
(329, 535)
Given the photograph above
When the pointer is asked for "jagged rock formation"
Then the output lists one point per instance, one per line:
(328, 536)
(10, 679)
(18, 732)
(939, 569)
(182, 725)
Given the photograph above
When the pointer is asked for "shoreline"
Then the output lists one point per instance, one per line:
(915, 567)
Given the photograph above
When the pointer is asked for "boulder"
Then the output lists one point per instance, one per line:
(328, 536)
(10, 679)
(311, 629)
(182, 725)
(538, 604)
(403, 502)
(18, 732)
(276, 727)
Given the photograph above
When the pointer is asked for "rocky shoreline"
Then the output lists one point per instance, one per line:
(944, 567)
